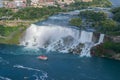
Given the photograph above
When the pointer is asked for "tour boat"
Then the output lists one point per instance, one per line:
(42, 57)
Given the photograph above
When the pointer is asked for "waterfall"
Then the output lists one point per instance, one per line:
(86, 38)
(101, 38)
(58, 38)
(88, 45)
(54, 38)
(86, 50)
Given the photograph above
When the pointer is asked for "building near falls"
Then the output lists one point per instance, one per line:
(86, 0)
(41, 3)
(15, 4)
(38, 3)
(65, 1)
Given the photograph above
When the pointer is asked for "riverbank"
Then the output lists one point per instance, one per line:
(21, 20)
(27, 16)
(102, 21)
(110, 48)
(20, 25)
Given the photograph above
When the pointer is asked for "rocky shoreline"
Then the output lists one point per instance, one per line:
(103, 50)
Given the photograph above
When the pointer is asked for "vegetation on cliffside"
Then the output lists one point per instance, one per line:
(12, 24)
(95, 3)
(5, 31)
(28, 13)
(116, 12)
(76, 22)
(108, 49)
(11, 35)
(98, 21)
(101, 22)
(31, 13)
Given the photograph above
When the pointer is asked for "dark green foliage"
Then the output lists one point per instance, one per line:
(32, 13)
(5, 31)
(95, 3)
(116, 12)
(107, 49)
(93, 16)
(117, 16)
(108, 23)
(109, 27)
(102, 3)
(101, 22)
(5, 12)
(112, 46)
(29, 13)
(76, 22)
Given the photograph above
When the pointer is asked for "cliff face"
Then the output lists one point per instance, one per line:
(116, 39)
(110, 48)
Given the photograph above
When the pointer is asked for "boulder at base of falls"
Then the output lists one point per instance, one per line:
(77, 49)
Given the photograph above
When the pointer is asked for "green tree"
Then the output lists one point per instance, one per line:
(117, 17)
(116, 12)
(108, 23)
(76, 22)
(93, 16)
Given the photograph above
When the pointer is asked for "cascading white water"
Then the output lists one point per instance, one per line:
(88, 45)
(57, 38)
(50, 37)
(101, 38)
(86, 38)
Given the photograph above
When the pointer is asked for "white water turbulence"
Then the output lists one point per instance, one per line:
(4, 78)
(43, 76)
(57, 38)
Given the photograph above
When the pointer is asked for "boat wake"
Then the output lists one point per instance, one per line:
(39, 74)
(4, 78)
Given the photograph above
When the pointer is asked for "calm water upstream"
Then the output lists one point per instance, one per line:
(115, 3)
(1, 3)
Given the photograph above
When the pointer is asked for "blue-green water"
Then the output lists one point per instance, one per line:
(19, 63)
(115, 3)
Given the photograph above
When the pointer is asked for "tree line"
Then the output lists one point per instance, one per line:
(28, 13)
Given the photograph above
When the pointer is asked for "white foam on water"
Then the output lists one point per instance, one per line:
(4, 78)
(101, 39)
(28, 68)
(86, 50)
(44, 75)
(59, 17)
(2, 61)
(41, 77)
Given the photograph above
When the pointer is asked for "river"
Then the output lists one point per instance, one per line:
(21, 63)
(18, 63)
(115, 3)
(1, 5)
